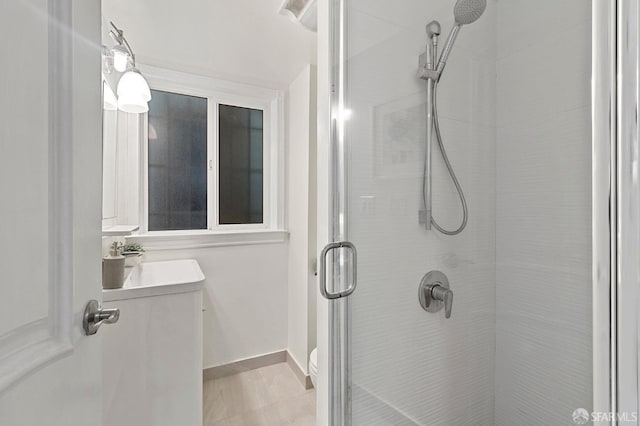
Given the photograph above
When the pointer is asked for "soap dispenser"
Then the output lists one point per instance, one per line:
(113, 268)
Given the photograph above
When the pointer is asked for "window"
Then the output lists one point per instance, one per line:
(209, 155)
(177, 162)
(240, 157)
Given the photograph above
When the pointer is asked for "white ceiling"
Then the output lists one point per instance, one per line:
(239, 40)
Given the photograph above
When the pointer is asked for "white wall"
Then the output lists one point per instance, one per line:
(301, 215)
(245, 299)
(410, 366)
(543, 212)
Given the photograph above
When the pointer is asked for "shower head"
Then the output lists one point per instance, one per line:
(465, 12)
(468, 11)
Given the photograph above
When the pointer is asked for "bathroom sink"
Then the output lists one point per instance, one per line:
(158, 278)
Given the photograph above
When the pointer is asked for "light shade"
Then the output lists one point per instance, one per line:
(133, 92)
(133, 103)
(120, 58)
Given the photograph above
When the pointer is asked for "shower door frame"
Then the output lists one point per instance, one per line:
(604, 203)
(340, 341)
(613, 189)
(616, 207)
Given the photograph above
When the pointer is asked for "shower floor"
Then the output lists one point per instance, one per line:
(266, 396)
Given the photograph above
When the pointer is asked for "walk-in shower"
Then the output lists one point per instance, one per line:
(430, 69)
(514, 111)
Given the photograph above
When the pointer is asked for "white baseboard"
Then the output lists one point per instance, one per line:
(300, 373)
(259, 362)
(244, 365)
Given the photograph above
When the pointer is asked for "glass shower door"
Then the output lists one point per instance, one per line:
(513, 114)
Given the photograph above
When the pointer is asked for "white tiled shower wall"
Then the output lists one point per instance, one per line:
(514, 108)
(543, 212)
(410, 366)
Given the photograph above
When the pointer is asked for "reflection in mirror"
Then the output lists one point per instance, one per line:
(109, 155)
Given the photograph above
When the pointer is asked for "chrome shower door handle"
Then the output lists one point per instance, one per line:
(323, 270)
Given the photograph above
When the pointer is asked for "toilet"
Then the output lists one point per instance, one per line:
(313, 366)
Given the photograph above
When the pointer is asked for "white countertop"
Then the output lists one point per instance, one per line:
(158, 278)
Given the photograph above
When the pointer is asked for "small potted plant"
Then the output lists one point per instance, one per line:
(133, 253)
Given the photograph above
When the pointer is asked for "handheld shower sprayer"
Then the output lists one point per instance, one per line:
(465, 12)
(468, 11)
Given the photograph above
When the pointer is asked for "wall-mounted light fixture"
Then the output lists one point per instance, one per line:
(133, 90)
(303, 11)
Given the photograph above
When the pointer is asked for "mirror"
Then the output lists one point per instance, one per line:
(109, 156)
(120, 157)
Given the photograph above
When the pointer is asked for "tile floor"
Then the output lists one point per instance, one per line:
(263, 397)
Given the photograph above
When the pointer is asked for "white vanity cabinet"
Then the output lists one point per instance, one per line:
(152, 358)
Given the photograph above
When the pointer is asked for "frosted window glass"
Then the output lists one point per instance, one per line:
(177, 162)
(241, 139)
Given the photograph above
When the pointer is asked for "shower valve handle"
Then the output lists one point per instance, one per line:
(434, 293)
(444, 294)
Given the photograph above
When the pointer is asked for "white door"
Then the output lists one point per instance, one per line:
(50, 211)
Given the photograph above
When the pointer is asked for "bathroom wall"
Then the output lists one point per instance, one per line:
(410, 366)
(301, 215)
(244, 297)
(543, 212)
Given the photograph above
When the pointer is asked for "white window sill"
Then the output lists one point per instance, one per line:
(118, 230)
(180, 240)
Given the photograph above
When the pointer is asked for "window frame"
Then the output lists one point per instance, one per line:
(221, 92)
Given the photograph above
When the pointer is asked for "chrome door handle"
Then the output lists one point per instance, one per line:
(323, 270)
(95, 316)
